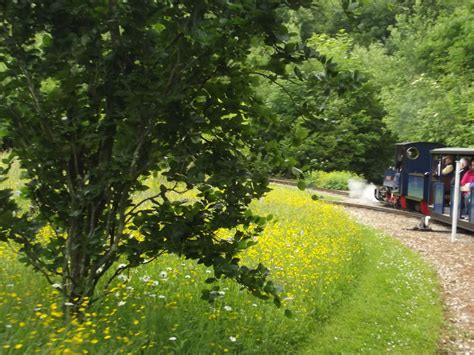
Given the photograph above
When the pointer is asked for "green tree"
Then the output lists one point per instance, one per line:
(366, 21)
(96, 96)
(340, 129)
(427, 83)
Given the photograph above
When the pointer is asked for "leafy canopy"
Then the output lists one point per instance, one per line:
(343, 126)
(97, 96)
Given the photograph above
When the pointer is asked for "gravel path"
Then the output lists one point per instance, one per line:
(454, 263)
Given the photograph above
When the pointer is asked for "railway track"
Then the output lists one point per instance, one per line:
(351, 203)
(292, 183)
(377, 208)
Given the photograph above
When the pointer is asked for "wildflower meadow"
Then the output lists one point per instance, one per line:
(344, 288)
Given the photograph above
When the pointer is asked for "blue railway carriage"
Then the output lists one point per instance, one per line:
(406, 184)
(442, 189)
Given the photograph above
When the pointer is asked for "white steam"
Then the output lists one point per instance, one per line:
(360, 190)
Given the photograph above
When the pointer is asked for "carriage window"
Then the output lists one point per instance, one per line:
(413, 153)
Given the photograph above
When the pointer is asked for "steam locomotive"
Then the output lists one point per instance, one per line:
(416, 183)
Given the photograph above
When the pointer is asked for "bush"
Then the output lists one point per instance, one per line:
(337, 180)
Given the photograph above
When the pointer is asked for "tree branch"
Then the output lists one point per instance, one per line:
(269, 77)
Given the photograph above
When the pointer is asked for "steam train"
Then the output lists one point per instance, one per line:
(416, 183)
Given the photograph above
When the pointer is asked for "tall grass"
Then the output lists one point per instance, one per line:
(395, 308)
(321, 259)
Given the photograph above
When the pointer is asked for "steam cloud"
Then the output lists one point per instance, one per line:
(359, 189)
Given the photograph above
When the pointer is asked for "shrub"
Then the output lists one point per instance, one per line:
(337, 180)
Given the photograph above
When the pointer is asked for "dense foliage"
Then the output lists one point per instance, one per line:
(414, 67)
(418, 55)
(345, 127)
(427, 83)
(367, 20)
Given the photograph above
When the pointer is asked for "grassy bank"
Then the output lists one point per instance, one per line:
(395, 308)
(339, 280)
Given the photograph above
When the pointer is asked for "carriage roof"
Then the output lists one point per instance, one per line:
(453, 151)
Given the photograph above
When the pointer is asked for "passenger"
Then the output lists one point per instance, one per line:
(448, 165)
(467, 184)
(464, 162)
(446, 176)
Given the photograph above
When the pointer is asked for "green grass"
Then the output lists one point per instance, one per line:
(396, 306)
(340, 280)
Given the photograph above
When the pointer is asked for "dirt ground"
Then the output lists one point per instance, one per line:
(454, 263)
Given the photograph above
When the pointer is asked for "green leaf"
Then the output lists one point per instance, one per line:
(3, 132)
(301, 132)
(297, 172)
(210, 280)
(301, 185)
(298, 73)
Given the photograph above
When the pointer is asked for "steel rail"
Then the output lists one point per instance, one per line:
(293, 183)
(376, 208)
(350, 204)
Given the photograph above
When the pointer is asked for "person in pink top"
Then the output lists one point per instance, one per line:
(467, 184)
